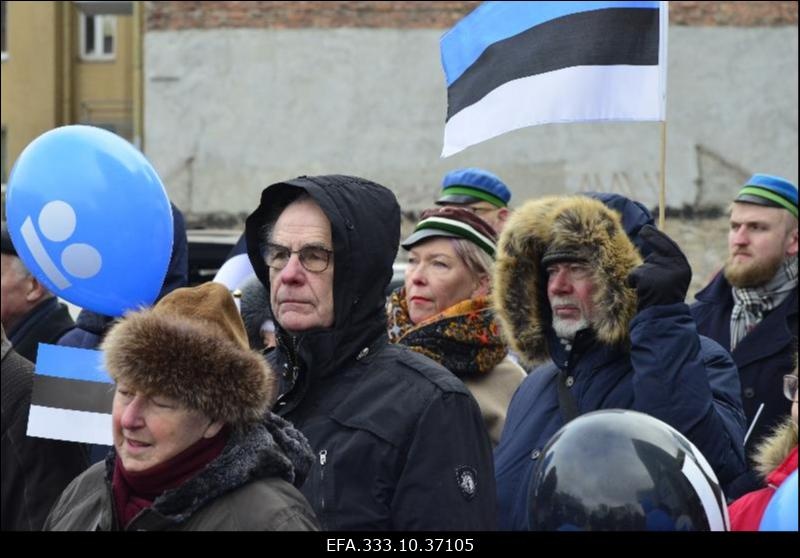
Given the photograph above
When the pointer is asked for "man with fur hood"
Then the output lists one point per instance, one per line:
(195, 448)
(400, 442)
(571, 287)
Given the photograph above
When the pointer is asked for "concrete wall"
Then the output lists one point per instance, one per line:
(229, 111)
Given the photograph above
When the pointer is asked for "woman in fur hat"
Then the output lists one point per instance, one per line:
(776, 459)
(195, 447)
(443, 309)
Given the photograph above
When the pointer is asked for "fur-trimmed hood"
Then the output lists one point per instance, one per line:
(192, 347)
(577, 223)
(774, 449)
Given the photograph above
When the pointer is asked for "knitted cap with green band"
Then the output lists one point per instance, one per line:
(770, 191)
(453, 222)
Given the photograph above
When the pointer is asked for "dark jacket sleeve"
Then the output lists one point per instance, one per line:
(691, 383)
(35, 470)
(439, 470)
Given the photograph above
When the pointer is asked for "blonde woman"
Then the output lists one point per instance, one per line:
(443, 310)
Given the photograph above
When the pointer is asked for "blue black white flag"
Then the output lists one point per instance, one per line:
(72, 396)
(509, 65)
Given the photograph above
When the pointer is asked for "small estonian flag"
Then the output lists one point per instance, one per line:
(509, 65)
(72, 396)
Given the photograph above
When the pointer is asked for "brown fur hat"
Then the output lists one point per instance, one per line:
(568, 225)
(192, 346)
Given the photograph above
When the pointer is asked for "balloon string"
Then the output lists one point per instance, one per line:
(752, 424)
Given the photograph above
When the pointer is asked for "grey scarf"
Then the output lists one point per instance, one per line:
(752, 304)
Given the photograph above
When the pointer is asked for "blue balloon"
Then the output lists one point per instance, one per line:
(781, 512)
(90, 218)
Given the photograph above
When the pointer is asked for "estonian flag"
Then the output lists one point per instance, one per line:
(72, 396)
(514, 64)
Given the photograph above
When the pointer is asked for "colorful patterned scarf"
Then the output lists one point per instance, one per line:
(463, 338)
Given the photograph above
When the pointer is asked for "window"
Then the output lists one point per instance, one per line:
(98, 36)
(4, 38)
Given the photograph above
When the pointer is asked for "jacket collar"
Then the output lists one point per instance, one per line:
(751, 347)
(272, 448)
(30, 319)
(718, 291)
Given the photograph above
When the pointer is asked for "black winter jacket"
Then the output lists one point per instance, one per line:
(44, 324)
(35, 470)
(400, 443)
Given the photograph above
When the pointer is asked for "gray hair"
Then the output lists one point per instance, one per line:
(18, 266)
(275, 212)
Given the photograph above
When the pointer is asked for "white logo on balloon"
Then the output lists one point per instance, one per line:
(57, 223)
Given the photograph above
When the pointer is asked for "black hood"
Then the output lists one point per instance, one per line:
(365, 226)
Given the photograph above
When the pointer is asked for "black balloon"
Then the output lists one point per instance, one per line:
(619, 470)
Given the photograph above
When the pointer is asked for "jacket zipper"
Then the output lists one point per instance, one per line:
(293, 362)
(291, 369)
(323, 458)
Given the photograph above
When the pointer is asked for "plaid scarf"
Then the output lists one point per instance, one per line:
(752, 304)
(463, 338)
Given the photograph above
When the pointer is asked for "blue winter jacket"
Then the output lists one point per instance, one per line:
(671, 373)
(652, 361)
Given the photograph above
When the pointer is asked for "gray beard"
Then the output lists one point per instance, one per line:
(567, 329)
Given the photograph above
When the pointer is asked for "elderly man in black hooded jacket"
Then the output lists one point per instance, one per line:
(400, 443)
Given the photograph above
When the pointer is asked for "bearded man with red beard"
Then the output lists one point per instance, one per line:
(750, 307)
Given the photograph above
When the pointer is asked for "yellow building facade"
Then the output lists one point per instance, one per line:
(69, 63)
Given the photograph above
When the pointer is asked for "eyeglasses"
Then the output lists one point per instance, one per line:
(313, 258)
(790, 387)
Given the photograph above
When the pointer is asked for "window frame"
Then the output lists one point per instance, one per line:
(99, 21)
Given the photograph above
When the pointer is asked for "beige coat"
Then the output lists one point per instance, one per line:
(493, 393)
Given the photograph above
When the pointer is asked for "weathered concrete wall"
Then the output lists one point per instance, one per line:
(229, 111)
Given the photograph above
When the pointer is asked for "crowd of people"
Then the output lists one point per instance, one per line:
(319, 403)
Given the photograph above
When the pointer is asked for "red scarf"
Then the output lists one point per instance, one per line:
(134, 492)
